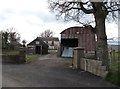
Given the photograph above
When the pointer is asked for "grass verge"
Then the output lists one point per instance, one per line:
(10, 52)
(32, 58)
(113, 75)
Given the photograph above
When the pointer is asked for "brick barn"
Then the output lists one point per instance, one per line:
(78, 37)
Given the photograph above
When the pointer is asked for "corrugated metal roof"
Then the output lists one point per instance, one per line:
(75, 29)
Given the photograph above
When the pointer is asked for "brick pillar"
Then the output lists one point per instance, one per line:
(78, 53)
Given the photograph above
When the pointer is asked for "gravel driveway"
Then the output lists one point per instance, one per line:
(49, 71)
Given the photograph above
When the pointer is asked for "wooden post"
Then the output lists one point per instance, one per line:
(114, 56)
(110, 58)
(41, 49)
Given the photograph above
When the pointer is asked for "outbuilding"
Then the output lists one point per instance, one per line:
(53, 42)
(77, 37)
(37, 46)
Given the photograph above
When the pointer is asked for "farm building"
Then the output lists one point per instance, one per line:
(77, 37)
(37, 46)
(53, 42)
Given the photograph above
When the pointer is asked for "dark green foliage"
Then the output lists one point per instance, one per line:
(10, 39)
(114, 73)
(114, 77)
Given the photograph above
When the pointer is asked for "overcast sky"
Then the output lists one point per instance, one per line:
(31, 17)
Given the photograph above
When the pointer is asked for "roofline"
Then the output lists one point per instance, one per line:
(76, 27)
(47, 37)
(42, 38)
(36, 39)
(72, 27)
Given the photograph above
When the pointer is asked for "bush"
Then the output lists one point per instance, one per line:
(114, 77)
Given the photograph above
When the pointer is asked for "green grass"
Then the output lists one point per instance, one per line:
(115, 66)
(113, 77)
(10, 52)
(114, 73)
(32, 58)
(117, 54)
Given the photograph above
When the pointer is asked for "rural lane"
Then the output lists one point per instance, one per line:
(49, 71)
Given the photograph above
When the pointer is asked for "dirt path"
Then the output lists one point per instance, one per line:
(49, 71)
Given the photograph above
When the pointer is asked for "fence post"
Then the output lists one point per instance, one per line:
(113, 55)
(110, 59)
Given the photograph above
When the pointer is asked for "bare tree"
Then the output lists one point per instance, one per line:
(46, 33)
(77, 10)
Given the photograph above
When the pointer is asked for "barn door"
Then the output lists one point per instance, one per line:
(38, 49)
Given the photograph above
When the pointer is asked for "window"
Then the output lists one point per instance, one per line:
(37, 42)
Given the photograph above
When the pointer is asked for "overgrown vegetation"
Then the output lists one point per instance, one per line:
(114, 77)
(114, 72)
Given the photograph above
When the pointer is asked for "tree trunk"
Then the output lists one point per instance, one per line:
(101, 44)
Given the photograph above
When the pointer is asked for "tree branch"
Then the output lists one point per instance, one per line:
(85, 10)
(114, 10)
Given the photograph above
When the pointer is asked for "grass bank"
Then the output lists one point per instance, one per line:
(114, 73)
(32, 58)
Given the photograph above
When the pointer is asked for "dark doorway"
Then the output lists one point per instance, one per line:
(69, 42)
(38, 49)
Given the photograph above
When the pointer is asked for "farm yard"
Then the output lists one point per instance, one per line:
(49, 71)
(112, 76)
(82, 51)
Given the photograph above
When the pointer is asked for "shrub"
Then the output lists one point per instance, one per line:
(114, 77)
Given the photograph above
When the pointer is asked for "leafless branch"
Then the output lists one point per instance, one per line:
(73, 10)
